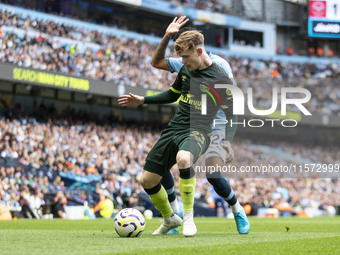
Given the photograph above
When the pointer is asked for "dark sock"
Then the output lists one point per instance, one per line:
(153, 190)
(222, 188)
(169, 185)
(186, 173)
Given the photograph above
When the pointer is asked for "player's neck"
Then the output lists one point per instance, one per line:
(206, 62)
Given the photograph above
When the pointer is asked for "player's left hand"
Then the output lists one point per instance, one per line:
(230, 152)
(130, 100)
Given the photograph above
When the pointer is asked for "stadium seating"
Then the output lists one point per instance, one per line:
(112, 158)
(107, 55)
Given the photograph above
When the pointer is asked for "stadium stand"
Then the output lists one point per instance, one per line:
(52, 46)
(213, 6)
(80, 159)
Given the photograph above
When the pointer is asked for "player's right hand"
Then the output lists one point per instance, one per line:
(175, 25)
(230, 152)
(130, 100)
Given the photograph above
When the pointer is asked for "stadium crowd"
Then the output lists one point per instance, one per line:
(127, 61)
(211, 5)
(46, 162)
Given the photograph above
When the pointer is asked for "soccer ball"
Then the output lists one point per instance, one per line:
(129, 222)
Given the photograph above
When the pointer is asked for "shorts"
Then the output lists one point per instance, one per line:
(219, 123)
(163, 155)
(215, 148)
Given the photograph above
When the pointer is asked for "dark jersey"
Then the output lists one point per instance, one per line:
(195, 86)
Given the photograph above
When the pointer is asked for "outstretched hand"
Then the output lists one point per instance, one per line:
(229, 150)
(175, 25)
(130, 100)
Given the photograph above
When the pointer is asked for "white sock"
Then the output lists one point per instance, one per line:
(188, 215)
(236, 207)
(174, 206)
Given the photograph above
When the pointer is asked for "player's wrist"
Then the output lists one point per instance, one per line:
(168, 35)
(226, 143)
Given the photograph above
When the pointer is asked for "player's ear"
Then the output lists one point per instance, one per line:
(200, 51)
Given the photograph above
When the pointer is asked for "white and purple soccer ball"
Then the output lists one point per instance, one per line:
(129, 222)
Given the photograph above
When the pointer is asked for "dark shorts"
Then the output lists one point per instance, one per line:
(163, 155)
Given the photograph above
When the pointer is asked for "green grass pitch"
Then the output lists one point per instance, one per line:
(215, 236)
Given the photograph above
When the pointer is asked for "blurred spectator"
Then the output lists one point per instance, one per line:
(104, 207)
(35, 202)
(89, 213)
(207, 5)
(59, 208)
(133, 200)
(219, 202)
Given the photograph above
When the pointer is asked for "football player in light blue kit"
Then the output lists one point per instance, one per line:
(219, 151)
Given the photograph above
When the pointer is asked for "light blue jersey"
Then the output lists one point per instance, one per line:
(175, 65)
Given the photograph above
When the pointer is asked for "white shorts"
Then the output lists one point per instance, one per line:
(215, 147)
(219, 122)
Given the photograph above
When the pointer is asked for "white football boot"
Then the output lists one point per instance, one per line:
(189, 227)
(173, 221)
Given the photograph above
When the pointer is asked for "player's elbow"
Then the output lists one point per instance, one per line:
(160, 64)
(155, 63)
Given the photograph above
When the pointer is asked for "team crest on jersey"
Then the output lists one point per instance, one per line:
(206, 88)
(203, 87)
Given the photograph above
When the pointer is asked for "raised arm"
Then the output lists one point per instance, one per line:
(158, 58)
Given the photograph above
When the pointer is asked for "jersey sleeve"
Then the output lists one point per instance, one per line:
(174, 64)
(165, 97)
(177, 85)
(168, 96)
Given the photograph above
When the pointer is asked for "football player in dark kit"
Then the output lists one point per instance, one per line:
(187, 136)
(216, 155)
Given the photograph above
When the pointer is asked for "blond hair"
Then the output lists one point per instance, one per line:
(188, 41)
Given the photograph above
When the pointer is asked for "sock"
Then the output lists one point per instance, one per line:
(236, 207)
(187, 185)
(174, 206)
(222, 188)
(188, 215)
(159, 198)
(169, 185)
(186, 173)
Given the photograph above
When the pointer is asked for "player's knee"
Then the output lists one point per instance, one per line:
(214, 162)
(184, 159)
(148, 183)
